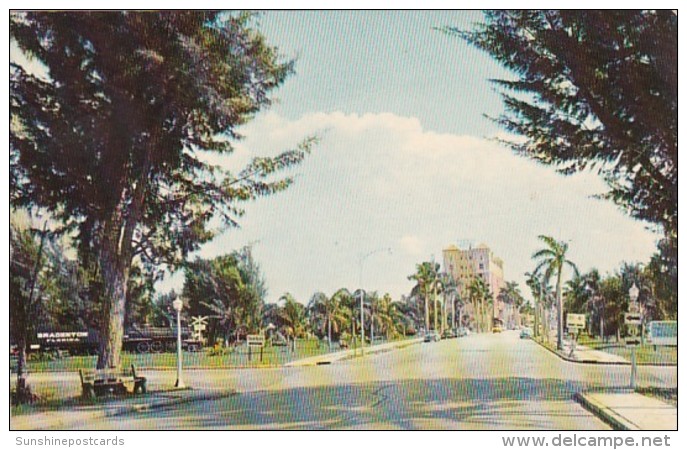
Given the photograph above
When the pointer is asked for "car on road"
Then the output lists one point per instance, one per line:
(525, 333)
(432, 336)
(448, 334)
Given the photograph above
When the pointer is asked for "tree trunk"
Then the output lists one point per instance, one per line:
(115, 260)
(23, 392)
(329, 332)
(426, 310)
(115, 273)
(559, 304)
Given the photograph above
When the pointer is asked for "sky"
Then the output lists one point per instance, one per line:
(406, 164)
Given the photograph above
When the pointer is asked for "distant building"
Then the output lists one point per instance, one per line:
(464, 265)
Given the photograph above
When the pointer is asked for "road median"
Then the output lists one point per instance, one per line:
(330, 358)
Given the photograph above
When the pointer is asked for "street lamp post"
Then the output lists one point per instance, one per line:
(362, 322)
(178, 305)
(362, 296)
(634, 295)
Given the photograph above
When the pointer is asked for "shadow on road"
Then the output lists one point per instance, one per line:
(498, 404)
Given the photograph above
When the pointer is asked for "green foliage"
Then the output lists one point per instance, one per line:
(26, 283)
(113, 138)
(230, 288)
(292, 316)
(551, 261)
(594, 89)
(426, 275)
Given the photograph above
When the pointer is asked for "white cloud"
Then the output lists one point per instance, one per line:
(379, 180)
(412, 245)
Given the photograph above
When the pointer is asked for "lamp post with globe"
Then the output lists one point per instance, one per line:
(178, 305)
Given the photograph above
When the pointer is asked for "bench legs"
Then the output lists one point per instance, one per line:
(88, 392)
(140, 386)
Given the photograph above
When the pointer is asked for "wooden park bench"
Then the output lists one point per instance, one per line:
(111, 382)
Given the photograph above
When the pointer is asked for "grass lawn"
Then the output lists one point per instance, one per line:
(646, 354)
(227, 358)
(668, 395)
(230, 357)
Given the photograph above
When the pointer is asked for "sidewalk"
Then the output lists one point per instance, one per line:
(630, 411)
(622, 409)
(351, 353)
(585, 355)
(69, 415)
(72, 411)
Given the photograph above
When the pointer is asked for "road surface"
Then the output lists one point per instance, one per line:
(492, 382)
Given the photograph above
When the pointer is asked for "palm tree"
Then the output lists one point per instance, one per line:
(576, 294)
(425, 275)
(478, 292)
(552, 259)
(292, 315)
(384, 316)
(326, 313)
(534, 284)
(510, 296)
(347, 304)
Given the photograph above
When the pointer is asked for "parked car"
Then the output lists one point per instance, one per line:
(497, 329)
(448, 334)
(526, 333)
(432, 336)
(462, 332)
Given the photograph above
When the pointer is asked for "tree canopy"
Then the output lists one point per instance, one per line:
(113, 139)
(594, 89)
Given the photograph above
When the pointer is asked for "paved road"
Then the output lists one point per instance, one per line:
(495, 382)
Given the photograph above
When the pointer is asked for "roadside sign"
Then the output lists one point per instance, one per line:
(255, 340)
(632, 341)
(576, 321)
(633, 319)
(198, 323)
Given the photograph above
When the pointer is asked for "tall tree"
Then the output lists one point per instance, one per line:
(292, 315)
(479, 294)
(511, 297)
(425, 277)
(326, 314)
(594, 89)
(25, 293)
(231, 288)
(551, 260)
(113, 138)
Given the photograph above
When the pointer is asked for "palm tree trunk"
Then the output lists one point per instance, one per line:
(559, 303)
(329, 332)
(426, 310)
(436, 309)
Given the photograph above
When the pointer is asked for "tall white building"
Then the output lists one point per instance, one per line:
(464, 265)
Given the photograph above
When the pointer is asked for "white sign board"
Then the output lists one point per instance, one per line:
(633, 319)
(255, 340)
(577, 321)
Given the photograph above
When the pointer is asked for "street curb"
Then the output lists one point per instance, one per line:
(204, 396)
(347, 355)
(607, 363)
(616, 421)
(78, 415)
(582, 361)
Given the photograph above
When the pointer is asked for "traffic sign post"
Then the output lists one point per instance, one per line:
(199, 324)
(633, 319)
(575, 324)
